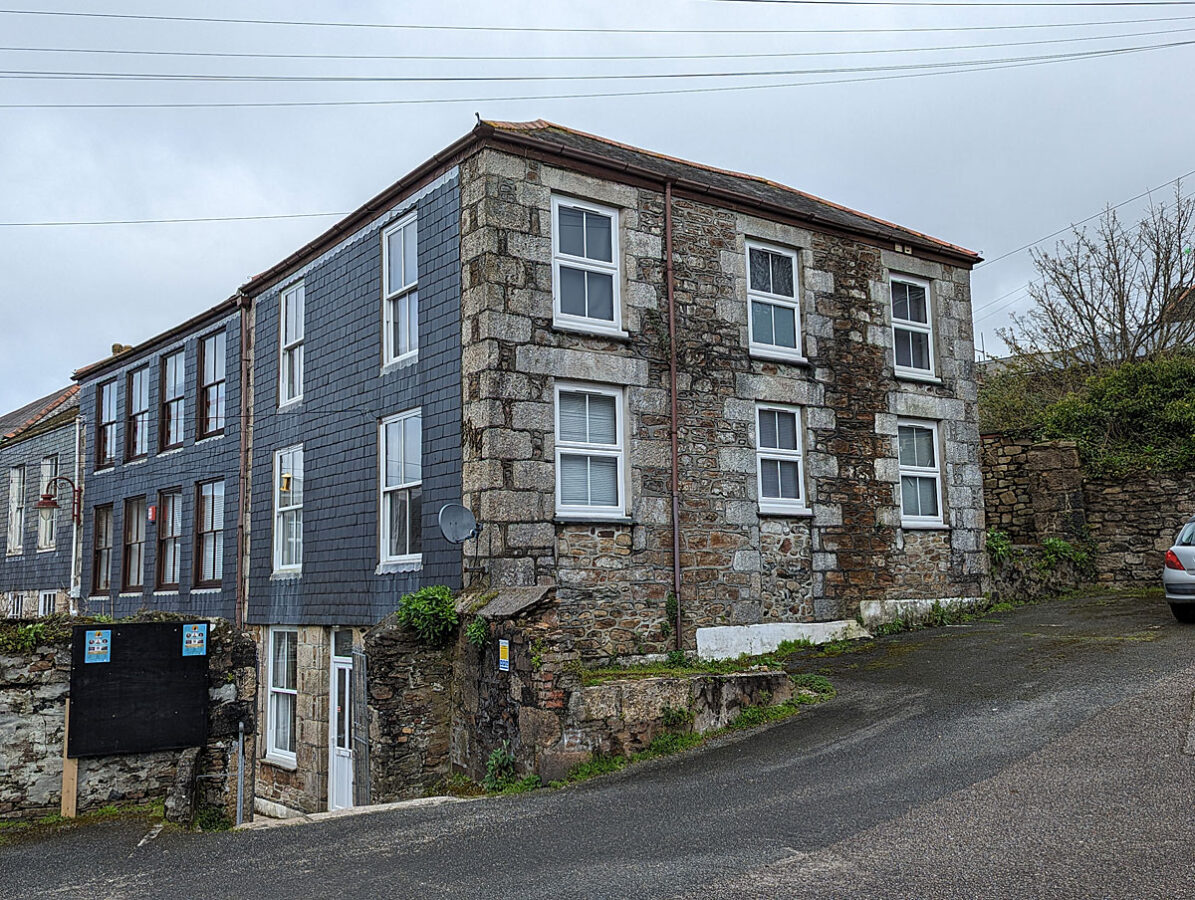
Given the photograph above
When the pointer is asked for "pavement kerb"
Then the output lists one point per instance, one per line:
(263, 822)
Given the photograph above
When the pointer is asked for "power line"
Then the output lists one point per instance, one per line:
(954, 68)
(1025, 287)
(633, 76)
(564, 30)
(171, 221)
(1073, 225)
(593, 58)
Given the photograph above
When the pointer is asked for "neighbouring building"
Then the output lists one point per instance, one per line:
(162, 471)
(39, 443)
(690, 407)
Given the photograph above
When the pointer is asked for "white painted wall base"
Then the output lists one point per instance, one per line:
(730, 641)
(275, 810)
(880, 612)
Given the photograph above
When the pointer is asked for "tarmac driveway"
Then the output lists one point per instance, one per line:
(1042, 752)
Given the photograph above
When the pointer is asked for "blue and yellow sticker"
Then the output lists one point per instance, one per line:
(98, 646)
(195, 639)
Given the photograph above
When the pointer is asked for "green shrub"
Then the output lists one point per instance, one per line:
(1055, 550)
(500, 768)
(999, 546)
(477, 632)
(430, 612)
(676, 717)
(1135, 418)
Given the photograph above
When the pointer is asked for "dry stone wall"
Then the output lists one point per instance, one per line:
(541, 711)
(613, 578)
(410, 712)
(1036, 490)
(33, 690)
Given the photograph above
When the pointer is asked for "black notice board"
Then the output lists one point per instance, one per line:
(147, 696)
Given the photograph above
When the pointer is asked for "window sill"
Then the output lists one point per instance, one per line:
(912, 375)
(139, 461)
(770, 355)
(924, 526)
(209, 438)
(131, 593)
(289, 404)
(401, 362)
(575, 518)
(583, 328)
(286, 575)
(205, 590)
(103, 470)
(168, 451)
(46, 549)
(278, 762)
(796, 512)
(395, 566)
(167, 592)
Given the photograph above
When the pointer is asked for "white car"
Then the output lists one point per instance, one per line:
(1178, 577)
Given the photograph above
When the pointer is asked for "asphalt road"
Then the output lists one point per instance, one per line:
(1044, 752)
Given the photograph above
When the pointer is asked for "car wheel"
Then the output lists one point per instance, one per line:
(1184, 612)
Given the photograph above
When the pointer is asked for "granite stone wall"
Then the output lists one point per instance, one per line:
(33, 691)
(739, 566)
(301, 787)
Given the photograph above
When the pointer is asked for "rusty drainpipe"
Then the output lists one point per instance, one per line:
(669, 281)
(245, 305)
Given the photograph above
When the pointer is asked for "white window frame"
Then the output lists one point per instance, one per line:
(273, 753)
(15, 604)
(392, 296)
(47, 522)
(779, 505)
(279, 511)
(934, 472)
(612, 268)
(16, 510)
(617, 451)
(42, 597)
(926, 328)
(291, 351)
(384, 491)
(775, 351)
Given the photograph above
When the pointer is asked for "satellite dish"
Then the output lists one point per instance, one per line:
(457, 523)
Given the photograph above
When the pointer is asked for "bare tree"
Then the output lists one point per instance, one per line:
(1113, 296)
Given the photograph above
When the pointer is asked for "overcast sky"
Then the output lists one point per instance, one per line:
(990, 159)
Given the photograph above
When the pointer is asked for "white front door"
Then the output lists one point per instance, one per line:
(340, 735)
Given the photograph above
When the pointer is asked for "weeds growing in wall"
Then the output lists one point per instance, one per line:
(430, 612)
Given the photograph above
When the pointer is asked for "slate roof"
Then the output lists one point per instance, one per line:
(751, 188)
(747, 190)
(13, 424)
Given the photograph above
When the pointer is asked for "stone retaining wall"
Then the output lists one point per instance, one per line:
(551, 721)
(1034, 490)
(410, 712)
(33, 690)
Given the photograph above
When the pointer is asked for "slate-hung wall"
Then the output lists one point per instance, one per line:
(346, 392)
(38, 568)
(183, 468)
